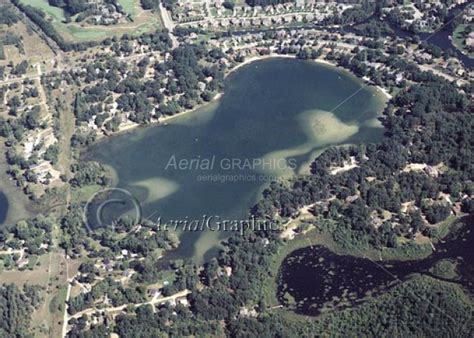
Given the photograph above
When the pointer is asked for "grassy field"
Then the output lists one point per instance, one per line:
(446, 268)
(41, 276)
(38, 276)
(57, 17)
(47, 319)
(55, 12)
(459, 40)
(50, 272)
(130, 6)
(82, 34)
(84, 193)
(33, 48)
(142, 21)
(58, 301)
(445, 227)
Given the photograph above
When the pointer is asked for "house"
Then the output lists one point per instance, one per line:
(470, 41)
(201, 86)
(22, 262)
(183, 301)
(154, 292)
(431, 171)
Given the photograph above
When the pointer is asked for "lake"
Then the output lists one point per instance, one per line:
(316, 279)
(14, 204)
(275, 117)
(3, 207)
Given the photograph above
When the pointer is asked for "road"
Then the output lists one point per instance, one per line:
(20, 79)
(152, 302)
(65, 316)
(169, 24)
(257, 17)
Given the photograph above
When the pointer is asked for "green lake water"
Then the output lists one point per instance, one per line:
(278, 110)
(3, 207)
(14, 204)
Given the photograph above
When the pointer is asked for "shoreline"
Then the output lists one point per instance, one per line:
(320, 61)
(273, 55)
(384, 92)
(163, 120)
(259, 58)
(216, 97)
(130, 126)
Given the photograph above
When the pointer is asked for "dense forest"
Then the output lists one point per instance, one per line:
(7, 15)
(405, 311)
(71, 7)
(150, 4)
(16, 308)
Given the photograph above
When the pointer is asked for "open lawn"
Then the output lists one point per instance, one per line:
(33, 48)
(84, 193)
(447, 226)
(47, 319)
(11, 53)
(142, 21)
(51, 275)
(38, 276)
(58, 301)
(130, 6)
(459, 39)
(55, 12)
